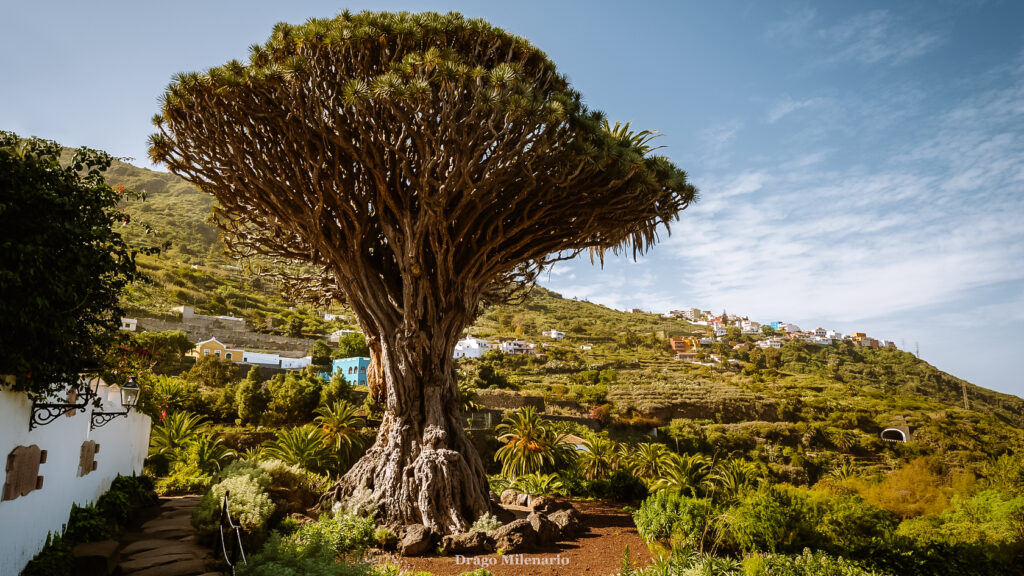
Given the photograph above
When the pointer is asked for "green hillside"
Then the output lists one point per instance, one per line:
(829, 401)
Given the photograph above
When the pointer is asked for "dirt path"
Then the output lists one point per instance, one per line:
(165, 546)
(598, 552)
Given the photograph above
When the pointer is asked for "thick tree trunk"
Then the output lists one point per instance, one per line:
(422, 469)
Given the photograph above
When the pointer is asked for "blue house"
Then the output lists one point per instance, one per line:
(353, 369)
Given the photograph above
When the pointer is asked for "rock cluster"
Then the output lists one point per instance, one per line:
(548, 521)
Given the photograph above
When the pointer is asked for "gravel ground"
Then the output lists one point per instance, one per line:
(597, 552)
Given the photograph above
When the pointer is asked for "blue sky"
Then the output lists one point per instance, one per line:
(861, 164)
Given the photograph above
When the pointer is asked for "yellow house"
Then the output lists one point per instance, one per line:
(214, 347)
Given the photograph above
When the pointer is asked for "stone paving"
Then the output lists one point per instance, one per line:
(165, 545)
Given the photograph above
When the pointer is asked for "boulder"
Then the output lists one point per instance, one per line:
(548, 504)
(567, 520)
(416, 540)
(547, 531)
(467, 543)
(515, 537)
(512, 497)
(96, 558)
(502, 514)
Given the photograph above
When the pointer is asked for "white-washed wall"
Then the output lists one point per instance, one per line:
(26, 520)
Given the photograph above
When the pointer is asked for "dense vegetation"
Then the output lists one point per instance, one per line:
(754, 461)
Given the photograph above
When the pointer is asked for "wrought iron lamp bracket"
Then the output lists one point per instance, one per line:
(45, 412)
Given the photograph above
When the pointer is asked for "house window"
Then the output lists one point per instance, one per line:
(206, 351)
(228, 356)
(216, 352)
(362, 370)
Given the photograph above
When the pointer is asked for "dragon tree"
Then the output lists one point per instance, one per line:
(417, 166)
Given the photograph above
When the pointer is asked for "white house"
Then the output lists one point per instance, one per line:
(834, 335)
(789, 327)
(770, 343)
(296, 363)
(707, 341)
(821, 340)
(470, 347)
(262, 359)
(553, 334)
(719, 332)
(328, 316)
(516, 347)
(129, 324)
(586, 347)
(337, 335)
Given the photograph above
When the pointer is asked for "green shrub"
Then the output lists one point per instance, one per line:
(487, 522)
(387, 540)
(769, 519)
(849, 523)
(54, 559)
(624, 487)
(249, 504)
(806, 564)
(184, 478)
(86, 524)
(665, 517)
(288, 556)
(116, 506)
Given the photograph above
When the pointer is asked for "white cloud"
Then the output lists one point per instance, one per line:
(877, 37)
(787, 106)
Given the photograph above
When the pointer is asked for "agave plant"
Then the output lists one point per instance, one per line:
(683, 474)
(304, 446)
(538, 484)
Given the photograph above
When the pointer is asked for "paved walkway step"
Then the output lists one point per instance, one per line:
(165, 545)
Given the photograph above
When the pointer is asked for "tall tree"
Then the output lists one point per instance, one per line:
(422, 164)
(63, 263)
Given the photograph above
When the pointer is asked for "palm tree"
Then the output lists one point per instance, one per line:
(598, 459)
(731, 477)
(210, 452)
(342, 428)
(648, 460)
(530, 444)
(175, 433)
(683, 474)
(304, 446)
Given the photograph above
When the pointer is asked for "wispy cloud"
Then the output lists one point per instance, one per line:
(877, 37)
(809, 237)
(788, 105)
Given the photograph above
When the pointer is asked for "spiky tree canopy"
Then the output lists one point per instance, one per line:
(419, 163)
(426, 144)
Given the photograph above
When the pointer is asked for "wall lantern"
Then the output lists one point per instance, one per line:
(79, 396)
(129, 398)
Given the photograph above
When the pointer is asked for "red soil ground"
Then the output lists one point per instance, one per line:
(596, 552)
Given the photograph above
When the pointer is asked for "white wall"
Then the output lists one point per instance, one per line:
(260, 358)
(26, 520)
(296, 363)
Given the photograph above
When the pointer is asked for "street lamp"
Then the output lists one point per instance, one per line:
(78, 397)
(129, 398)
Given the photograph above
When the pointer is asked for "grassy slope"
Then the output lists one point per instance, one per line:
(838, 386)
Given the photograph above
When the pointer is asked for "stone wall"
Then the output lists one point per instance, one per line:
(200, 328)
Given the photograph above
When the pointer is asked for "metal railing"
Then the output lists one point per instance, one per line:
(231, 547)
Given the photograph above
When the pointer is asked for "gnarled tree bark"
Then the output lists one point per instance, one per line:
(418, 165)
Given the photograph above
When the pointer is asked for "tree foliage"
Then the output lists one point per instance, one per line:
(416, 165)
(63, 262)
